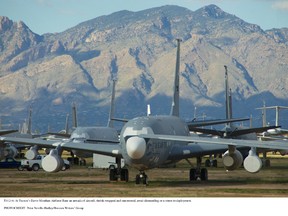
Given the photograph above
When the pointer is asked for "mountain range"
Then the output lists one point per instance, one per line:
(50, 72)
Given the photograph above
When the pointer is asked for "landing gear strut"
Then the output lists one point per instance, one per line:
(198, 172)
(265, 161)
(141, 178)
(211, 162)
(118, 173)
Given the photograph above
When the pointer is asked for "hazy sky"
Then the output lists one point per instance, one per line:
(50, 16)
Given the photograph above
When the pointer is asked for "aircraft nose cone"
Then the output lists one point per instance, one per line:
(136, 147)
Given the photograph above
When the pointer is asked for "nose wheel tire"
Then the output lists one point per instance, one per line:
(195, 174)
(141, 178)
(114, 174)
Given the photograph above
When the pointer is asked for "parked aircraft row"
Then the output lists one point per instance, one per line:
(147, 142)
(9, 149)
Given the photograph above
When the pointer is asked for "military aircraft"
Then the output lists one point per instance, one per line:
(150, 141)
(104, 134)
(10, 149)
(273, 131)
(233, 131)
(7, 150)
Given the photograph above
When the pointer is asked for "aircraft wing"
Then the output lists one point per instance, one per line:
(272, 138)
(4, 132)
(193, 124)
(63, 135)
(120, 119)
(240, 131)
(179, 152)
(277, 144)
(104, 148)
(208, 131)
(234, 133)
(197, 123)
(109, 149)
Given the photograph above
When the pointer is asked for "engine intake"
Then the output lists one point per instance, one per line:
(232, 160)
(32, 153)
(11, 151)
(252, 162)
(52, 162)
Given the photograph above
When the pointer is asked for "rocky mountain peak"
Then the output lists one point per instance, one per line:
(279, 35)
(139, 49)
(212, 11)
(5, 24)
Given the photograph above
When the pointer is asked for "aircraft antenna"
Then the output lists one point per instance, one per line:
(195, 113)
(148, 110)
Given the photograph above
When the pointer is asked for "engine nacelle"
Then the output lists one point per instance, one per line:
(11, 151)
(252, 162)
(32, 153)
(232, 161)
(52, 162)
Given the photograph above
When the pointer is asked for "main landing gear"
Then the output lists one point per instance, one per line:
(211, 162)
(116, 173)
(198, 172)
(265, 161)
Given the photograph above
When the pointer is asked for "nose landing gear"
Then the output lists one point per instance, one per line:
(141, 178)
(198, 172)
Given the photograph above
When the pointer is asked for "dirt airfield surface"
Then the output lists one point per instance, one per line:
(163, 182)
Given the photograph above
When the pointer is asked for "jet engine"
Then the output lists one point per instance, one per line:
(52, 162)
(10, 151)
(252, 162)
(32, 153)
(232, 160)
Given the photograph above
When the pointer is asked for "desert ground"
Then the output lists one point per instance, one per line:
(84, 181)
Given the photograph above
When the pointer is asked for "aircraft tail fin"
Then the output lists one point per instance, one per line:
(175, 101)
(74, 116)
(67, 124)
(112, 106)
(228, 96)
(29, 124)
